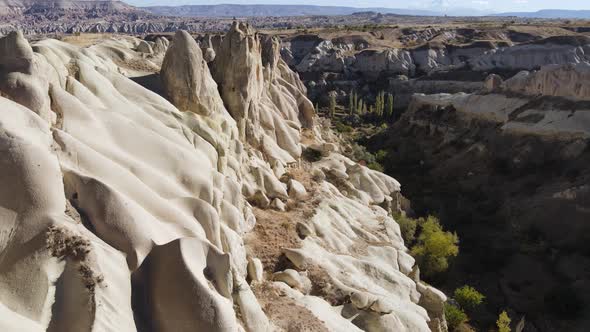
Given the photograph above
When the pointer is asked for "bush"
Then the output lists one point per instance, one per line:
(434, 247)
(311, 155)
(342, 128)
(407, 227)
(381, 156)
(454, 316)
(503, 322)
(376, 167)
(359, 152)
(468, 298)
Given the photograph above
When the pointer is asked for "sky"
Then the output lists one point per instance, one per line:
(483, 5)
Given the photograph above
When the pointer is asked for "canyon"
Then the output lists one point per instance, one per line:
(489, 133)
(166, 173)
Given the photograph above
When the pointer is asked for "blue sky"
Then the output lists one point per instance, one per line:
(486, 5)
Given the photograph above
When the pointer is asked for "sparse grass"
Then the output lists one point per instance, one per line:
(64, 243)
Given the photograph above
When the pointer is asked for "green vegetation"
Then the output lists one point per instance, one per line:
(381, 109)
(503, 322)
(381, 156)
(434, 247)
(332, 104)
(455, 316)
(389, 106)
(468, 297)
(342, 128)
(375, 166)
(407, 227)
(311, 155)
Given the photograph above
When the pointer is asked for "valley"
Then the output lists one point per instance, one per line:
(164, 169)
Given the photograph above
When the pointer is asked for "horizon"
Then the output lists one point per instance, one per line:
(431, 5)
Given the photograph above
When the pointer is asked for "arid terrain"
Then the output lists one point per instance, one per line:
(303, 173)
(489, 132)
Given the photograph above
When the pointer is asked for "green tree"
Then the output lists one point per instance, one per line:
(359, 105)
(351, 102)
(434, 247)
(468, 297)
(332, 104)
(390, 105)
(454, 316)
(503, 322)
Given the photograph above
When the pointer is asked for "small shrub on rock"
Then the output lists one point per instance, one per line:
(455, 316)
(312, 155)
(375, 166)
(407, 227)
(343, 128)
(468, 297)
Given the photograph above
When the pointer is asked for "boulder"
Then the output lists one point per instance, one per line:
(255, 269)
(278, 205)
(297, 190)
(294, 279)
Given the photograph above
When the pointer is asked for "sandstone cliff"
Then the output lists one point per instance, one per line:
(125, 210)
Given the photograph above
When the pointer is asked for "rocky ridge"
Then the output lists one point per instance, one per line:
(447, 60)
(124, 210)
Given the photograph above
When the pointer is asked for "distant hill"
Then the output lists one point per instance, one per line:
(20, 7)
(231, 10)
(551, 13)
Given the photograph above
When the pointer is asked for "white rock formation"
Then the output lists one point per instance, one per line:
(555, 50)
(121, 210)
(510, 103)
(570, 80)
(324, 58)
(372, 63)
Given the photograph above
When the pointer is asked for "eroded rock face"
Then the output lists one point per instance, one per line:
(123, 210)
(526, 133)
(261, 93)
(510, 103)
(557, 50)
(17, 64)
(394, 61)
(186, 79)
(570, 80)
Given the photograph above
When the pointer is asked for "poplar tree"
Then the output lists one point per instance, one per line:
(332, 105)
(390, 105)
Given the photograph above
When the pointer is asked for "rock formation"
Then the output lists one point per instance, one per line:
(515, 156)
(569, 80)
(261, 93)
(122, 210)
